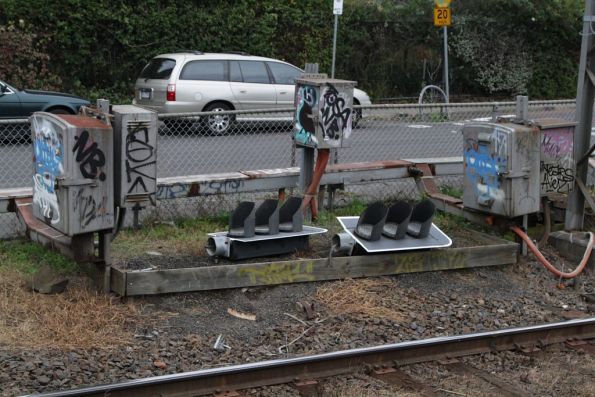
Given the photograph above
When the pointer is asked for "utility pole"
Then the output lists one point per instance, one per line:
(446, 90)
(442, 17)
(337, 10)
(575, 209)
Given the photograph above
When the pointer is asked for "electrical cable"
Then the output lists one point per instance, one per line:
(547, 264)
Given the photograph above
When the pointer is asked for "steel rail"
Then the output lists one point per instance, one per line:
(280, 371)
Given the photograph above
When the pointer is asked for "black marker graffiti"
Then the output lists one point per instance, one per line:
(88, 208)
(334, 115)
(555, 177)
(139, 157)
(89, 156)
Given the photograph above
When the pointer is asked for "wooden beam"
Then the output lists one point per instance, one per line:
(586, 193)
(305, 270)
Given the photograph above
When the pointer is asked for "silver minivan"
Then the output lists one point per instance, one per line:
(194, 81)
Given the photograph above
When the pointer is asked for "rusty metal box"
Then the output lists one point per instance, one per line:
(135, 155)
(73, 172)
(501, 168)
(324, 111)
(557, 165)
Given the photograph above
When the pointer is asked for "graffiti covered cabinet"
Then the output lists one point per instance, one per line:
(501, 168)
(324, 112)
(135, 155)
(73, 172)
(557, 164)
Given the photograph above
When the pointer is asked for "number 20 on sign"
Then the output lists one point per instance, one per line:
(442, 16)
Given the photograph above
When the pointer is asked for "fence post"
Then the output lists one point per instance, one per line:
(494, 112)
(522, 107)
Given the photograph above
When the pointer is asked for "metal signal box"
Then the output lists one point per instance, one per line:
(73, 172)
(501, 168)
(135, 155)
(557, 165)
(324, 112)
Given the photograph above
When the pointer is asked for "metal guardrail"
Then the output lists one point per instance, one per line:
(241, 182)
(386, 132)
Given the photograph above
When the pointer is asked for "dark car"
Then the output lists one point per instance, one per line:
(17, 104)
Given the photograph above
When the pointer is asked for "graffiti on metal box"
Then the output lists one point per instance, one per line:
(335, 115)
(89, 156)
(305, 127)
(140, 158)
(557, 163)
(482, 168)
(556, 178)
(49, 165)
(89, 208)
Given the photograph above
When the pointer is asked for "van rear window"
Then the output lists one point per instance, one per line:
(158, 68)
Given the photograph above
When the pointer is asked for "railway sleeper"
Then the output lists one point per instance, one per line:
(403, 380)
(466, 370)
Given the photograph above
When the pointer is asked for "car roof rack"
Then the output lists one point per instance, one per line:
(236, 52)
(195, 52)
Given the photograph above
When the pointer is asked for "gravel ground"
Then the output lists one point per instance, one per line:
(348, 314)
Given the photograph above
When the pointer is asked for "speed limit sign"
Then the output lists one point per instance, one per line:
(442, 16)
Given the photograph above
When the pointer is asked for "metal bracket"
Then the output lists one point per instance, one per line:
(63, 182)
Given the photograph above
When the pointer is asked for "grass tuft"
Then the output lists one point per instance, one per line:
(27, 257)
(183, 237)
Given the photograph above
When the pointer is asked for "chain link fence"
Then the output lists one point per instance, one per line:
(208, 143)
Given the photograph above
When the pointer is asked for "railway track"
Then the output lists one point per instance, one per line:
(381, 361)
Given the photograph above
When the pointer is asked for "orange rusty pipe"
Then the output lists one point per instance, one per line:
(319, 168)
(548, 265)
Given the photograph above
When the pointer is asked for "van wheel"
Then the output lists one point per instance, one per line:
(60, 111)
(219, 124)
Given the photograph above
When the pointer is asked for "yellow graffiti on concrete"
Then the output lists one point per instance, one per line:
(279, 273)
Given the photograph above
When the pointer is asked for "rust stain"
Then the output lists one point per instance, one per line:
(194, 190)
(370, 165)
(446, 199)
(82, 121)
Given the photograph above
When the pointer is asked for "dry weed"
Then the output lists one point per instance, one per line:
(371, 297)
(79, 318)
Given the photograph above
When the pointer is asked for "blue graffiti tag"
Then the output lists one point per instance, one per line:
(483, 170)
(307, 101)
(49, 156)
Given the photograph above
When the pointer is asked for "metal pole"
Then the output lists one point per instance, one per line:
(575, 210)
(334, 46)
(522, 107)
(445, 30)
(525, 226)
